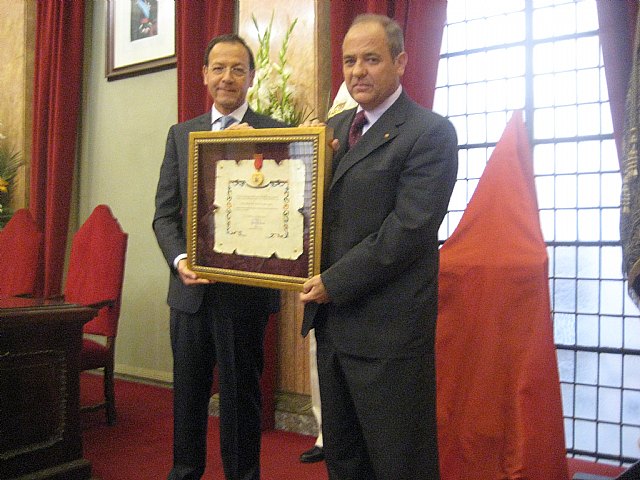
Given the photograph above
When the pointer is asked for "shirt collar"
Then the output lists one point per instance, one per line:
(372, 116)
(237, 114)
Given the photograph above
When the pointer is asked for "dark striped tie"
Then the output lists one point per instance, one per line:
(355, 132)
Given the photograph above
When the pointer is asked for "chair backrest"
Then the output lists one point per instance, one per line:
(20, 250)
(96, 269)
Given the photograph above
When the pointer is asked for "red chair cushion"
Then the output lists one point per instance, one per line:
(93, 355)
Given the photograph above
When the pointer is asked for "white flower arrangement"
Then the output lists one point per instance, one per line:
(272, 93)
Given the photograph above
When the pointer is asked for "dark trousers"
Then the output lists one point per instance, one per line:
(378, 415)
(228, 330)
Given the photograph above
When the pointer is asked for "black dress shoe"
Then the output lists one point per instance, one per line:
(314, 454)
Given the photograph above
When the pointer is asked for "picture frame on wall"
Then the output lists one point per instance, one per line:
(140, 37)
(255, 207)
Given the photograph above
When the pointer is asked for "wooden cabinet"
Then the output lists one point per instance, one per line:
(40, 433)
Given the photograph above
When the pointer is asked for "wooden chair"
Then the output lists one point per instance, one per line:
(94, 278)
(20, 249)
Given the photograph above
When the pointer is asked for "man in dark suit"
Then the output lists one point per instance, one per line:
(212, 323)
(374, 305)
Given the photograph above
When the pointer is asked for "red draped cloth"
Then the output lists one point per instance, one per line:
(499, 404)
(56, 111)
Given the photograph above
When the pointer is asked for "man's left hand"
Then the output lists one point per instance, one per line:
(313, 291)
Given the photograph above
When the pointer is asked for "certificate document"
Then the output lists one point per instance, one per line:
(258, 207)
(255, 204)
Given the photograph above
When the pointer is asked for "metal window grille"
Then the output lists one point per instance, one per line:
(544, 57)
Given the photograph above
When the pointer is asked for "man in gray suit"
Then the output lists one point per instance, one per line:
(374, 305)
(212, 323)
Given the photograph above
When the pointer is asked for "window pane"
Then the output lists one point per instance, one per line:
(544, 124)
(566, 225)
(496, 99)
(565, 88)
(515, 93)
(476, 97)
(588, 262)
(589, 225)
(588, 303)
(563, 91)
(588, 52)
(611, 296)
(566, 121)
(589, 119)
(587, 330)
(611, 332)
(566, 158)
(545, 191)
(565, 191)
(543, 90)
(587, 85)
(496, 123)
(588, 190)
(609, 404)
(610, 370)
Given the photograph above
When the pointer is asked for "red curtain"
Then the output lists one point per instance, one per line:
(617, 26)
(56, 110)
(197, 22)
(422, 22)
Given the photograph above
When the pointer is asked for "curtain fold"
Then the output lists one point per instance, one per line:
(630, 195)
(56, 111)
(197, 21)
(617, 26)
(422, 23)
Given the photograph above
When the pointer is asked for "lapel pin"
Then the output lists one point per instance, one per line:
(386, 135)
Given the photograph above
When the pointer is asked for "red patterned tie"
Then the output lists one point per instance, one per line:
(355, 132)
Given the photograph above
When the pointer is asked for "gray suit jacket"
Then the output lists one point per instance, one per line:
(387, 198)
(171, 210)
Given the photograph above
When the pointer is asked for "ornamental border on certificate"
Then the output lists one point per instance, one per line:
(205, 149)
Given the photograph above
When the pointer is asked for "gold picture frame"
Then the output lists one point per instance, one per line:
(254, 215)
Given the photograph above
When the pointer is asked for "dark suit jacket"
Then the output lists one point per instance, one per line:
(171, 210)
(382, 213)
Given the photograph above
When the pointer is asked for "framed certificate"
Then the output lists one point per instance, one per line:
(255, 204)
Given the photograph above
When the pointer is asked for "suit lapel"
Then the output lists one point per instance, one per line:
(383, 131)
(202, 123)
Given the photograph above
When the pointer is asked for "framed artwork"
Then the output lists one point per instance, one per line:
(140, 37)
(254, 215)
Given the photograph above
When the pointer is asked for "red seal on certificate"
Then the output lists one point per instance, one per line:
(257, 177)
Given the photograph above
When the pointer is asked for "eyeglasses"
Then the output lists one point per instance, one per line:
(237, 71)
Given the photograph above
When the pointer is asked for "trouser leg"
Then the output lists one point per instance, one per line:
(239, 333)
(379, 417)
(193, 357)
(315, 386)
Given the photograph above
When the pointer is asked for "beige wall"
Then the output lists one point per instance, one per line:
(124, 128)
